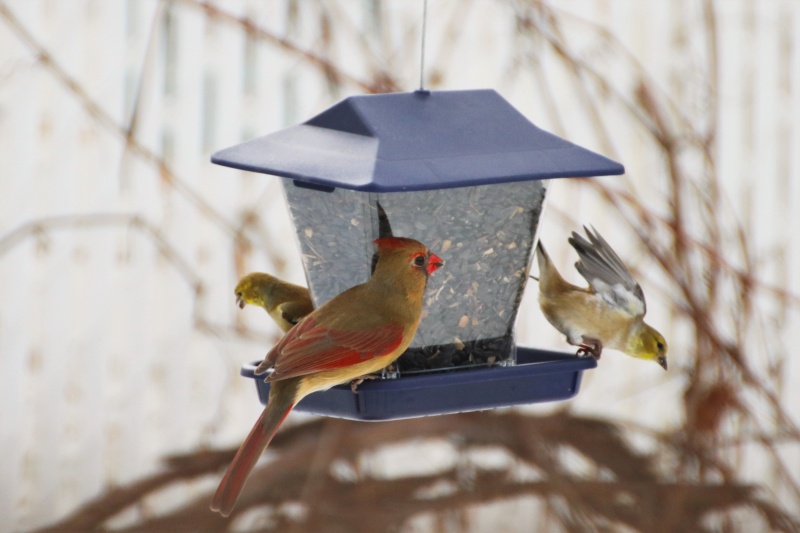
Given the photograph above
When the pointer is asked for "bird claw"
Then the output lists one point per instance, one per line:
(359, 380)
(591, 348)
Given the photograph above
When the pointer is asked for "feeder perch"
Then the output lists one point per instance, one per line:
(462, 172)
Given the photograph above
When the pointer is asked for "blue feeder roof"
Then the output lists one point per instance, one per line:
(416, 141)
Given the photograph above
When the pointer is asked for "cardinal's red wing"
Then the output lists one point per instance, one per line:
(309, 348)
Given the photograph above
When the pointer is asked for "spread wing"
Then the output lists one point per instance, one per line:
(309, 347)
(607, 274)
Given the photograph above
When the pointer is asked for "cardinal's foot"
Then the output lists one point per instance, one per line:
(359, 380)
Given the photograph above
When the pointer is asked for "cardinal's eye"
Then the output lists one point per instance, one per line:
(419, 260)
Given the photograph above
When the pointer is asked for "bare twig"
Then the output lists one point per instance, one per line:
(643, 499)
(106, 120)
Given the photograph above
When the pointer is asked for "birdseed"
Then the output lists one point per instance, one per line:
(484, 234)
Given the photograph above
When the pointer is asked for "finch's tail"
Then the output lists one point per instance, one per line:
(550, 281)
(281, 401)
(542, 259)
(540, 249)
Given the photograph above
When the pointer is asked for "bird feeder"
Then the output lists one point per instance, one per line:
(462, 172)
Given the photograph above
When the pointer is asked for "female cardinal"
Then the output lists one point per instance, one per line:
(360, 331)
(284, 302)
(608, 313)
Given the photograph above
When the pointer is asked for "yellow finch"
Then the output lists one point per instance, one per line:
(609, 313)
(284, 302)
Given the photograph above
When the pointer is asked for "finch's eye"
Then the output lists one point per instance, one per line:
(419, 260)
(660, 345)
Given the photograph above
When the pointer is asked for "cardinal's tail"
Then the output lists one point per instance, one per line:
(281, 401)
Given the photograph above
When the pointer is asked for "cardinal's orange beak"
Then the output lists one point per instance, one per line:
(434, 263)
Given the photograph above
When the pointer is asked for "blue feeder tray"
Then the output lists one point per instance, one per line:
(539, 376)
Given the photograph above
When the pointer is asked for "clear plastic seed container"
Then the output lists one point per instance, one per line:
(485, 235)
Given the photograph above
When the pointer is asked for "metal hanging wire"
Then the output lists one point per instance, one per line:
(422, 46)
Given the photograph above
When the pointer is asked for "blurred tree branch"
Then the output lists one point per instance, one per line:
(699, 258)
(96, 111)
(626, 487)
(39, 229)
(382, 83)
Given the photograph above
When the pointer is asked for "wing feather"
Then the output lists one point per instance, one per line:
(606, 273)
(309, 347)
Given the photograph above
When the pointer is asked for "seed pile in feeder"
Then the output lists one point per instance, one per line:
(470, 354)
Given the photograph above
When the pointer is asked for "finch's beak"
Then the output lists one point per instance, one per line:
(434, 263)
(239, 301)
(663, 362)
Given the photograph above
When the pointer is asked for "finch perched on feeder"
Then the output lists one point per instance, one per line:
(609, 313)
(285, 302)
(360, 331)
